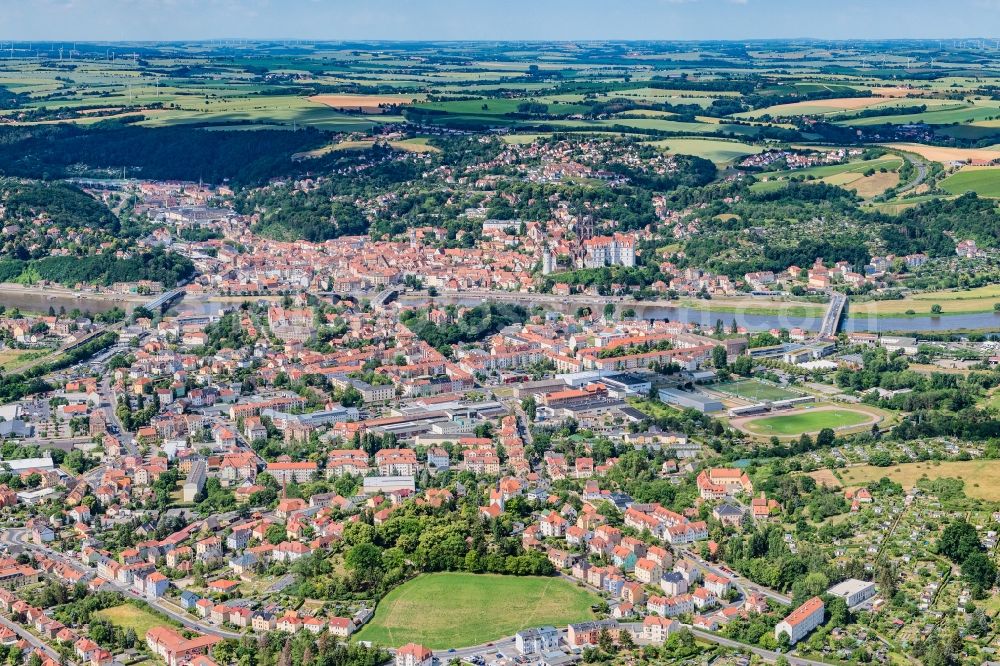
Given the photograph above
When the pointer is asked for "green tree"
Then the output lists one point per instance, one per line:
(959, 540)
(979, 570)
(719, 356)
(530, 407)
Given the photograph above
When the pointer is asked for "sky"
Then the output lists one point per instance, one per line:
(166, 20)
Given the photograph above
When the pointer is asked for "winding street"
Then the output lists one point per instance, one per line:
(921, 168)
(18, 537)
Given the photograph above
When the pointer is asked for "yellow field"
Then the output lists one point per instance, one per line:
(365, 103)
(871, 186)
(944, 154)
(826, 478)
(982, 477)
(828, 106)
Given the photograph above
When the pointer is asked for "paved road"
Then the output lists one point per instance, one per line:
(108, 396)
(834, 311)
(740, 582)
(767, 655)
(30, 637)
(921, 176)
(18, 537)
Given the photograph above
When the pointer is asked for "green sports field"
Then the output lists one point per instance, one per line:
(448, 610)
(806, 421)
(752, 389)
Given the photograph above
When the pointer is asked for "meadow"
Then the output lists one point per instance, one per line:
(981, 477)
(984, 181)
(130, 616)
(445, 610)
(720, 151)
(980, 299)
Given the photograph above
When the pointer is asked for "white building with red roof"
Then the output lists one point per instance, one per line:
(801, 621)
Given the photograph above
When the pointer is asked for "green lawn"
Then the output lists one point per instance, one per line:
(984, 182)
(755, 390)
(131, 616)
(720, 151)
(448, 610)
(807, 421)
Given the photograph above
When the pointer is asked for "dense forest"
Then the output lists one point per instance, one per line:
(166, 267)
(63, 205)
(180, 152)
(327, 211)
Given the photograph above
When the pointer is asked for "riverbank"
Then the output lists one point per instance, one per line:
(953, 302)
(38, 299)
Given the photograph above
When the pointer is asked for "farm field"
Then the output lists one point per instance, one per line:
(981, 477)
(129, 616)
(965, 114)
(365, 103)
(445, 610)
(810, 420)
(984, 181)
(415, 145)
(752, 389)
(850, 175)
(496, 107)
(827, 106)
(947, 154)
(720, 151)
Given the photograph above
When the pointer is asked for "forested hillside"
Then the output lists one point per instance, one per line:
(166, 267)
(181, 152)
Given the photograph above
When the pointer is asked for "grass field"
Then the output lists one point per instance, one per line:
(980, 299)
(130, 616)
(752, 389)
(984, 181)
(805, 421)
(459, 609)
(982, 477)
(719, 151)
(12, 358)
